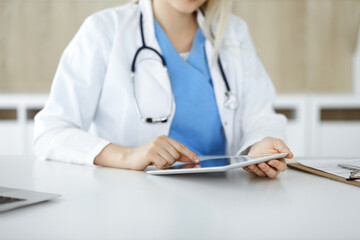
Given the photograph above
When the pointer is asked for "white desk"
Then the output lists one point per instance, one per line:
(103, 203)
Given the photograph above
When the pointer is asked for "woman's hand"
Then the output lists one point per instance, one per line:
(273, 167)
(161, 152)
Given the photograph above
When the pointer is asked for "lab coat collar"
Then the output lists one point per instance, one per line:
(208, 33)
(219, 88)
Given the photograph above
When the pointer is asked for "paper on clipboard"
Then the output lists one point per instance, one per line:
(331, 166)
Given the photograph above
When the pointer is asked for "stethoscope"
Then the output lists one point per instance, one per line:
(231, 101)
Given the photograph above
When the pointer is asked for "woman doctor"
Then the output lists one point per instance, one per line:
(154, 82)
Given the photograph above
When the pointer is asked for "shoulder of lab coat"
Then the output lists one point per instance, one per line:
(258, 118)
(60, 131)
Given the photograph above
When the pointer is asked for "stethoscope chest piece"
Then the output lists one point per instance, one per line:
(231, 101)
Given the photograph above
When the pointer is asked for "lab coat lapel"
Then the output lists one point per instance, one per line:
(226, 114)
(151, 131)
(150, 38)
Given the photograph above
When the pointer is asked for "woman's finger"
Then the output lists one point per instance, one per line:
(190, 165)
(256, 170)
(269, 171)
(184, 159)
(184, 150)
(247, 169)
(281, 147)
(167, 156)
(280, 164)
(171, 149)
(173, 152)
(158, 161)
(162, 142)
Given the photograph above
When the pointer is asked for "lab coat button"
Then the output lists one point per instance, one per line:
(225, 123)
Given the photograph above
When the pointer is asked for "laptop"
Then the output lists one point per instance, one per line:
(11, 198)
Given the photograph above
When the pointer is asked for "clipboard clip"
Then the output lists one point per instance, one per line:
(354, 171)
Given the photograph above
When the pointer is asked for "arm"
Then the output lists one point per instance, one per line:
(60, 131)
(61, 127)
(161, 152)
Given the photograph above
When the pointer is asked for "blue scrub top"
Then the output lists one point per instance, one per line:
(196, 123)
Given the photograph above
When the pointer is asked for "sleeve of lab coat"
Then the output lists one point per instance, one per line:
(60, 131)
(259, 119)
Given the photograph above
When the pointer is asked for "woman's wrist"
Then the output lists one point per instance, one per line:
(113, 155)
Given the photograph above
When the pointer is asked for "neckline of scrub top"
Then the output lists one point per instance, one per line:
(197, 124)
(197, 46)
(184, 55)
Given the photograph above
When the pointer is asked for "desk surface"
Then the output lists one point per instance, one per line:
(104, 203)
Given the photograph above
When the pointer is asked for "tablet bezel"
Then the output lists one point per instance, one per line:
(216, 169)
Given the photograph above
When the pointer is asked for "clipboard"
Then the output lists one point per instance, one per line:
(299, 166)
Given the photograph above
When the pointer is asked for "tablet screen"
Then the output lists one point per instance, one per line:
(213, 162)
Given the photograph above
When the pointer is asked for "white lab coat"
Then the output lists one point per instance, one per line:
(92, 87)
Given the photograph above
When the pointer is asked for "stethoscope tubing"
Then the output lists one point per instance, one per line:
(144, 46)
(228, 93)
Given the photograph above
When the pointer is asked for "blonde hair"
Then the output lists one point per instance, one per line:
(217, 13)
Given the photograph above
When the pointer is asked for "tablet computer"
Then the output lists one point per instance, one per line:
(215, 164)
